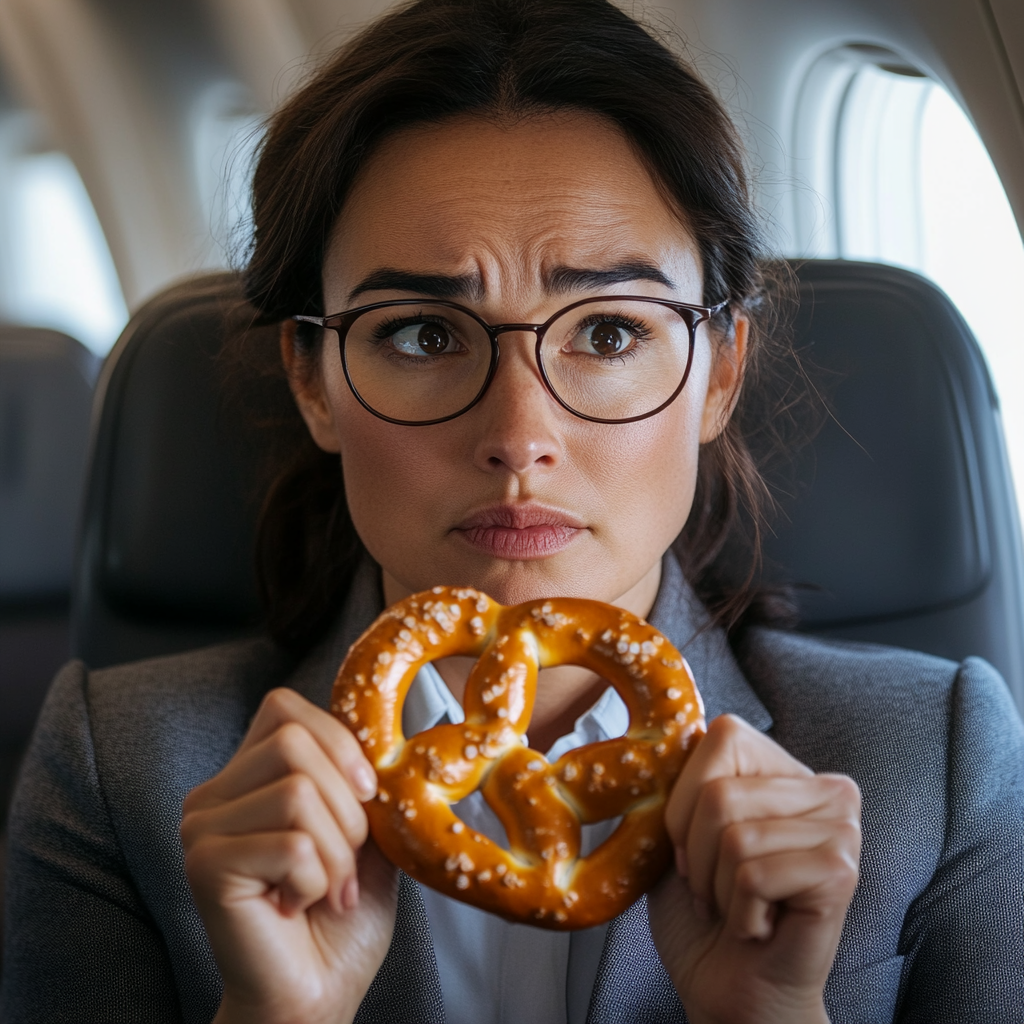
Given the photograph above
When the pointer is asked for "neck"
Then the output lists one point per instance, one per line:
(564, 692)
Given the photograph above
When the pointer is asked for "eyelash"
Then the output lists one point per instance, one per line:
(385, 330)
(639, 331)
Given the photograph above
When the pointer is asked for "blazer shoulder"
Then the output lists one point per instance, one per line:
(838, 703)
(221, 664)
(844, 669)
(174, 721)
(203, 682)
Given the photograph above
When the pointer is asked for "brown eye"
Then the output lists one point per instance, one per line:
(607, 339)
(433, 339)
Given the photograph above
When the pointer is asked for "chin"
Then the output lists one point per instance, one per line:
(511, 582)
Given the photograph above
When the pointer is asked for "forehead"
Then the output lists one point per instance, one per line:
(506, 202)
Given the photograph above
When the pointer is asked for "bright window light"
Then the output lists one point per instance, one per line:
(915, 187)
(972, 250)
(62, 275)
(226, 132)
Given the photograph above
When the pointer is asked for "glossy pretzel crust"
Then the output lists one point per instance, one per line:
(541, 879)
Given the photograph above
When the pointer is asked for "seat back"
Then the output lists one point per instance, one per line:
(46, 387)
(905, 521)
(171, 505)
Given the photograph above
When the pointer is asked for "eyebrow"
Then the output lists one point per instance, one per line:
(575, 279)
(438, 286)
(560, 280)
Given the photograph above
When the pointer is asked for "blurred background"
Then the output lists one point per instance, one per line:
(127, 130)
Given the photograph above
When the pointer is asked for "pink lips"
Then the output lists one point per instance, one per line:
(519, 532)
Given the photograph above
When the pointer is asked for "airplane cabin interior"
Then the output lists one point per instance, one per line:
(886, 145)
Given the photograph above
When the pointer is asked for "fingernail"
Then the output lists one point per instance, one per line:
(365, 781)
(682, 864)
(350, 894)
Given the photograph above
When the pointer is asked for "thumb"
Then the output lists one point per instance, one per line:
(681, 926)
(378, 881)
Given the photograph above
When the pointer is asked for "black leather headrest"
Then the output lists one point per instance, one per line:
(892, 519)
(46, 381)
(173, 495)
(904, 512)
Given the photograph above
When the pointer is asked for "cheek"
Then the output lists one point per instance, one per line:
(380, 460)
(392, 477)
(647, 472)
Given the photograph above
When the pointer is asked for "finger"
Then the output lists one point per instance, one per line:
(731, 748)
(283, 705)
(754, 840)
(281, 866)
(724, 802)
(816, 883)
(290, 804)
(290, 750)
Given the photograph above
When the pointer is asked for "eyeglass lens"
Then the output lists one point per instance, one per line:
(610, 359)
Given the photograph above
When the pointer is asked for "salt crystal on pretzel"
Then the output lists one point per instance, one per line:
(541, 879)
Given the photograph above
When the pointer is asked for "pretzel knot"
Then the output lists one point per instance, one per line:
(541, 879)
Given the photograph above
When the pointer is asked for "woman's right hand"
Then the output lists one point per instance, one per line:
(298, 906)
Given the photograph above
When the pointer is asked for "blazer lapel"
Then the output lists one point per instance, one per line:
(407, 987)
(632, 983)
(314, 675)
(679, 614)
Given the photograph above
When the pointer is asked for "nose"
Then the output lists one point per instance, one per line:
(518, 421)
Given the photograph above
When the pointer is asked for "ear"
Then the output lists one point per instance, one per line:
(726, 380)
(307, 386)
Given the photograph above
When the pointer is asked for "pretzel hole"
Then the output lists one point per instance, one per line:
(488, 825)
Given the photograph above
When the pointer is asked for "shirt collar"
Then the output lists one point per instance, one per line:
(677, 612)
(429, 701)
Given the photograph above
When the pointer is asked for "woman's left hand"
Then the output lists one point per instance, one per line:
(748, 921)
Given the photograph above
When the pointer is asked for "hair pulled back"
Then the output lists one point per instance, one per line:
(434, 59)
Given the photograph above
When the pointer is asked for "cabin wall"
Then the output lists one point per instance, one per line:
(760, 53)
(118, 82)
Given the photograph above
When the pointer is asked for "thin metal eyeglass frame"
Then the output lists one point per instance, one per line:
(693, 316)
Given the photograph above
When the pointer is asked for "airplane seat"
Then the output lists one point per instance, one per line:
(46, 387)
(170, 510)
(904, 522)
(904, 529)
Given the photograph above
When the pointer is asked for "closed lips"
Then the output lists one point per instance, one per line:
(519, 531)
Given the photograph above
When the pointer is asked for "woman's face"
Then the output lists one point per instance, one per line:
(517, 497)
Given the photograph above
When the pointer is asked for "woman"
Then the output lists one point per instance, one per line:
(544, 185)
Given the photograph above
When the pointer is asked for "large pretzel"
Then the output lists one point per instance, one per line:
(541, 879)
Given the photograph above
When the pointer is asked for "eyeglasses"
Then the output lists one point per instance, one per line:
(614, 359)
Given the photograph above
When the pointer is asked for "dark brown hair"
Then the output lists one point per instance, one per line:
(435, 59)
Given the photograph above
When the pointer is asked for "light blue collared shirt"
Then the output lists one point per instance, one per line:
(494, 972)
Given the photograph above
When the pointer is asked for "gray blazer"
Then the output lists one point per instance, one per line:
(101, 925)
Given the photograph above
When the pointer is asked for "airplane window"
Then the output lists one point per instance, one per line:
(59, 272)
(914, 185)
(227, 130)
